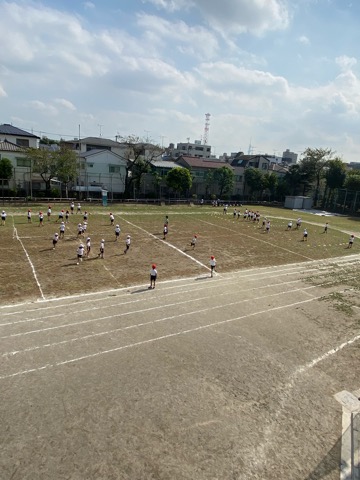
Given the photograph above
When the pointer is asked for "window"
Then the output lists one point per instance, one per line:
(264, 166)
(23, 162)
(22, 142)
(238, 178)
(201, 149)
(90, 165)
(114, 169)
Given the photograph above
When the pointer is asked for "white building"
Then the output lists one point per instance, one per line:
(196, 149)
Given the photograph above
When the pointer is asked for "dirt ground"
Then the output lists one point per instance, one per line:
(230, 377)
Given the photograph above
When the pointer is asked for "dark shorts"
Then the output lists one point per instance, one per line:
(54, 242)
(153, 277)
(117, 233)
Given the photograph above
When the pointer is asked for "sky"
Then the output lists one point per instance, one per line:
(273, 74)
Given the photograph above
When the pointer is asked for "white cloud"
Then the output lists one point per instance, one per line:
(43, 107)
(345, 62)
(303, 39)
(88, 5)
(65, 103)
(196, 41)
(2, 92)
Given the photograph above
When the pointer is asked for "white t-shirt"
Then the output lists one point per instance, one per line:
(212, 262)
(153, 272)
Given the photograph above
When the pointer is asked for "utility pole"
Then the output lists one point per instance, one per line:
(100, 127)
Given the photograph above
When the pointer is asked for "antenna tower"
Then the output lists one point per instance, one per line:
(206, 128)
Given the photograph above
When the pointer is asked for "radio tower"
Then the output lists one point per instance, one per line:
(206, 129)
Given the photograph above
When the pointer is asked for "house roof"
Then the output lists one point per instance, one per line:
(7, 129)
(165, 164)
(7, 146)
(91, 153)
(244, 160)
(197, 162)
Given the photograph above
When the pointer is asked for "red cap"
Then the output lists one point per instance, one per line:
(212, 257)
(153, 265)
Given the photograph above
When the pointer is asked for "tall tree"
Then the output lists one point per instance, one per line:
(225, 179)
(6, 169)
(254, 178)
(296, 180)
(271, 182)
(313, 164)
(66, 167)
(209, 182)
(179, 179)
(51, 164)
(352, 181)
(335, 175)
(139, 156)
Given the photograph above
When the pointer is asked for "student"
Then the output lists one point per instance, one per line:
(80, 230)
(305, 235)
(212, 265)
(326, 227)
(153, 276)
(80, 253)
(86, 215)
(78, 208)
(72, 206)
(49, 213)
(165, 231)
(55, 240)
(29, 215)
(62, 230)
(235, 213)
(127, 243)
(67, 213)
(298, 223)
(41, 219)
(61, 216)
(289, 227)
(88, 246)
(351, 240)
(225, 209)
(3, 217)
(112, 218)
(84, 227)
(102, 249)
(193, 241)
(166, 221)
(267, 229)
(117, 232)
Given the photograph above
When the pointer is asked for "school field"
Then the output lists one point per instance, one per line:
(34, 270)
(231, 377)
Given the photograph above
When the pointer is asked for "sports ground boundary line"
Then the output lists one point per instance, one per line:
(293, 377)
(157, 307)
(155, 339)
(232, 274)
(15, 234)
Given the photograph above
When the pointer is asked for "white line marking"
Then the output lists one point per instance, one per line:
(143, 324)
(257, 239)
(156, 339)
(30, 262)
(83, 322)
(169, 245)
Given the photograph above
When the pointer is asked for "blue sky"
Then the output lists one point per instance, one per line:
(277, 73)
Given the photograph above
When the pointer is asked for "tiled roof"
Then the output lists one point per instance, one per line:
(7, 129)
(197, 162)
(7, 146)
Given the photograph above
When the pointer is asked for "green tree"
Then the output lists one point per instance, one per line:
(271, 182)
(139, 156)
(209, 182)
(254, 179)
(296, 180)
(51, 164)
(225, 179)
(6, 169)
(66, 167)
(179, 179)
(313, 166)
(335, 176)
(352, 180)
